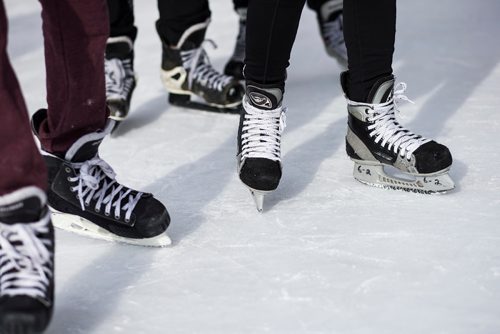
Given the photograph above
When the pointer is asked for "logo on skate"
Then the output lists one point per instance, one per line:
(260, 100)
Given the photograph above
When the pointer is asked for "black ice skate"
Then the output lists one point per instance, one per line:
(26, 262)
(259, 141)
(375, 139)
(330, 20)
(234, 66)
(187, 73)
(120, 76)
(87, 199)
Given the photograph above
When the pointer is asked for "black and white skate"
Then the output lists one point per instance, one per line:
(259, 141)
(330, 20)
(120, 76)
(87, 199)
(26, 262)
(377, 143)
(186, 70)
(234, 66)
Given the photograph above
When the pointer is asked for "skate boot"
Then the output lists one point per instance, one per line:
(375, 140)
(234, 66)
(26, 262)
(120, 77)
(86, 198)
(259, 140)
(330, 20)
(187, 73)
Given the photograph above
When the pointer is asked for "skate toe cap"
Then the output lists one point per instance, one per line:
(25, 314)
(261, 174)
(152, 217)
(432, 157)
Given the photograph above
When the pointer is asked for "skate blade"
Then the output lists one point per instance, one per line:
(258, 198)
(375, 175)
(82, 226)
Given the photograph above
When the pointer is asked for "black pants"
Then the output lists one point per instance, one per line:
(175, 16)
(369, 32)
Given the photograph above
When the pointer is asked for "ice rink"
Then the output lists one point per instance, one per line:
(328, 254)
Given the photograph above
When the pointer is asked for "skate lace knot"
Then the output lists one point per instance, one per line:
(25, 259)
(261, 132)
(201, 70)
(96, 181)
(119, 78)
(386, 128)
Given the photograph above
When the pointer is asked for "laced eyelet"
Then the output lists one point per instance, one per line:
(97, 210)
(69, 179)
(127, 220)
(106, 214)
(117, 217)
(86, 204)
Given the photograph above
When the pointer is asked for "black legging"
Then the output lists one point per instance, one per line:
(176, 16)
(369, 32)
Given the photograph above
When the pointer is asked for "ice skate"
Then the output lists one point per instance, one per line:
(87, 199)
(234, 66)
(330, 20)
(120, 76)
(26, 262)
(376, 141)
(192, 81)
(259, 141)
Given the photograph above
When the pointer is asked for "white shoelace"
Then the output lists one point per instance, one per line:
(387, 130)
(96, 180)
(201, 70)
(261, 132)
(24, 259)
(119, 78)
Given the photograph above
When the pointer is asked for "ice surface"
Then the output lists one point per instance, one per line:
(328, 255)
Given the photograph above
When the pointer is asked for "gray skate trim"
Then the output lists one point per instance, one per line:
(379, 95)
(89, 137)
(23, 193)
(358, 112)
(359, 147)
(189, 31)
(121, 39)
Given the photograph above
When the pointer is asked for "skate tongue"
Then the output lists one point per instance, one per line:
(87, 146)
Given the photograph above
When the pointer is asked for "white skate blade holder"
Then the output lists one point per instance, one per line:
(374, 174)
(82, 226)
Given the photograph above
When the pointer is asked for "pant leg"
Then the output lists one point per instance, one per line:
(271, 30)
(121, 18)
(75, 34)
(369, 32)
(176, 16)
(20, 162)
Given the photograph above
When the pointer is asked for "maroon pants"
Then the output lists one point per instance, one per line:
(75, 34)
